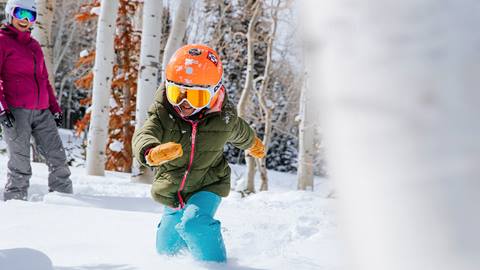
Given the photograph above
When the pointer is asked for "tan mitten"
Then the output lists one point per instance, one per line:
(257, 150)
(163, 153)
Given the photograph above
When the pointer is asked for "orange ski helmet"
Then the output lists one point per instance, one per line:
(195, 65)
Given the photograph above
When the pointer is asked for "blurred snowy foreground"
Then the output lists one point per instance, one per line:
(109, 224)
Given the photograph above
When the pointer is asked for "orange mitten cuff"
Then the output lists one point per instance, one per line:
(163, 153)
(257, 150)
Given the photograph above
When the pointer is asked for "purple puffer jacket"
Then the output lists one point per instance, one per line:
(23, 74)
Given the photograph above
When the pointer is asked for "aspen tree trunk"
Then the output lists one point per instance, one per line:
(148, 77)
(267, 105)
(177, 32)
(262, 162)
(267, 118)
(102, 81)
(42, 32)
(401, 92)
(306, 131)
(138, 18)
(248, 88)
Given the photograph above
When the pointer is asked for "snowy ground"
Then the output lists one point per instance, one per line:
(109, 224)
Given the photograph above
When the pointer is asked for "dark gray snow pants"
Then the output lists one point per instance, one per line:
(41, 125)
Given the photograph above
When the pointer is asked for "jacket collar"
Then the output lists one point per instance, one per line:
(22, 37)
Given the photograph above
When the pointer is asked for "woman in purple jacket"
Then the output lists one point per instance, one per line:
(27, 104)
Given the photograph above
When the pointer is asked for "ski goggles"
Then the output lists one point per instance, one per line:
(22, 14)
(197, 97)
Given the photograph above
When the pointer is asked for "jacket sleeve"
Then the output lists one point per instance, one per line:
(242, 135)
(52, 100)
(148, 136)
(3, 103)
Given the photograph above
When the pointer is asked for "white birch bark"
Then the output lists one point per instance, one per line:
(306, 132)
(247, 89)
(401, 95)
(179, 26)
(265, 103)
(246, 92)
(98, 131)
(42, 32)
(149, 68)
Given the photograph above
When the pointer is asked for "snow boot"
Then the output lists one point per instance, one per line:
(15, 195)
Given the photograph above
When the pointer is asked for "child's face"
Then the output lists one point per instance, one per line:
(187, 110)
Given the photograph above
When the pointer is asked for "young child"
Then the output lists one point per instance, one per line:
(188, 126)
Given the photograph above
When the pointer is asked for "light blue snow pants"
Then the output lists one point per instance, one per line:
(193, 227)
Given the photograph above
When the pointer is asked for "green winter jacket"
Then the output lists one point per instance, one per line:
(209, 170)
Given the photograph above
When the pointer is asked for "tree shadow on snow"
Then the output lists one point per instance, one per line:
(98, 267)
(232, 264)
(39, 193)
(134, 204)
(24, 259)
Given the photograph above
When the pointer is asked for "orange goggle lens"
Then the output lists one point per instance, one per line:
(198, 98)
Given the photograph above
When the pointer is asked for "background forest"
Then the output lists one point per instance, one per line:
(263, 66)
(395, 84)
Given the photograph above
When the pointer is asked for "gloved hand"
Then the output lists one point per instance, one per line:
(163, 153)
(257, 150)
(58, 117)
(7, 119)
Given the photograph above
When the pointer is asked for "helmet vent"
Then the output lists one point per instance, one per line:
(194, 52)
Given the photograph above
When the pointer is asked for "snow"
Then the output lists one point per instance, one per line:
(227, 119)
(298, 118)
(109, 223)
(73, 147)
(96, 11)
(3, 146)
(270, 104)
(116, 146)
(84, 53)
(113, 103)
